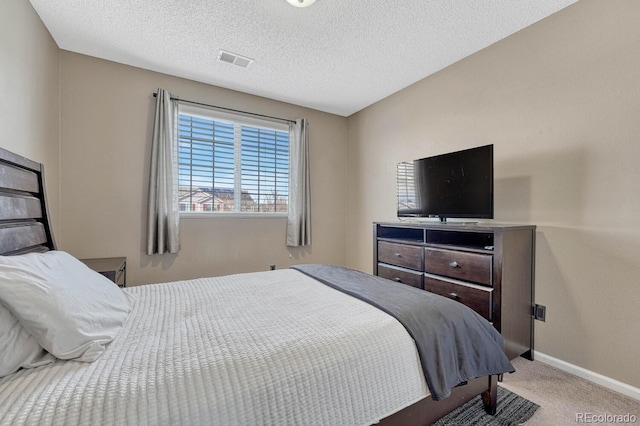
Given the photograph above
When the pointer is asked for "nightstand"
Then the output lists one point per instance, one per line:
(114, 268)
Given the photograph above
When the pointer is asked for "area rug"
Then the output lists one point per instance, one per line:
(512, 410)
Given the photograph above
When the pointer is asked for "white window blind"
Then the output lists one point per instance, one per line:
(406, 186)
(230, 163)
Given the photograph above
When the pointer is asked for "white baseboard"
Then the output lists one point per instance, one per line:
(596, 378)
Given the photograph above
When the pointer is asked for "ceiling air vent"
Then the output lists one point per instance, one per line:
(232, 58)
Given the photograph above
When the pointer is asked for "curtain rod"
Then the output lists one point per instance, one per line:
(155, 94)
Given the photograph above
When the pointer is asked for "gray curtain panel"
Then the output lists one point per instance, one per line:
(299, 218)
(163, 214)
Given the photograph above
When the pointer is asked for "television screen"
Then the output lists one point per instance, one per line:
(453, 185)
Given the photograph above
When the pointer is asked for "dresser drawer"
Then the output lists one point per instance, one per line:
(460, 265)
(477, 298)
(400, 255)
(414, 279)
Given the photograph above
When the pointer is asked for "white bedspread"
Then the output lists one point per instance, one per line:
(263, 348)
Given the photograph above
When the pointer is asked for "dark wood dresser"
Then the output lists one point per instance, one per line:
(488, 267)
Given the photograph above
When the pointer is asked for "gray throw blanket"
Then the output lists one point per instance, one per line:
(455, 344)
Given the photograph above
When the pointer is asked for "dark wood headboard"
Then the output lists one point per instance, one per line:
(24, 217)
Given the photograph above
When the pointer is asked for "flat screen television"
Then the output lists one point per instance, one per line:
(452, 185)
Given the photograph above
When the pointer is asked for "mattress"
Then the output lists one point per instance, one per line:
(271, 347)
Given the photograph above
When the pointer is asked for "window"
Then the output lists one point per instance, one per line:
(405, 180)
(229, 163)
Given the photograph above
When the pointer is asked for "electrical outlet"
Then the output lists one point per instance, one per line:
(272, 267)
(540, 312)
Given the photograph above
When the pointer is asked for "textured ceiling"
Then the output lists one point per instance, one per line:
(336, 56)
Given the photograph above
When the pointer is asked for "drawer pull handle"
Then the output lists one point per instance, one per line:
(454, 296)
(397, 254)
(454, 264)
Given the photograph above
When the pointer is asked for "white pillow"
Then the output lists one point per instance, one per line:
(70, 310)
(18, 348)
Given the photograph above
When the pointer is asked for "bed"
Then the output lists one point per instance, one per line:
(275, 347)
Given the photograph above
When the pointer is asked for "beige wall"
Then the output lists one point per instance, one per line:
(106, 125)
(29, 88)
(560, 101)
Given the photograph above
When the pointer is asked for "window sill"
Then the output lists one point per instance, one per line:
(233, 215)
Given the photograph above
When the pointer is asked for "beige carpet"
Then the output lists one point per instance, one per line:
(563, 397)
